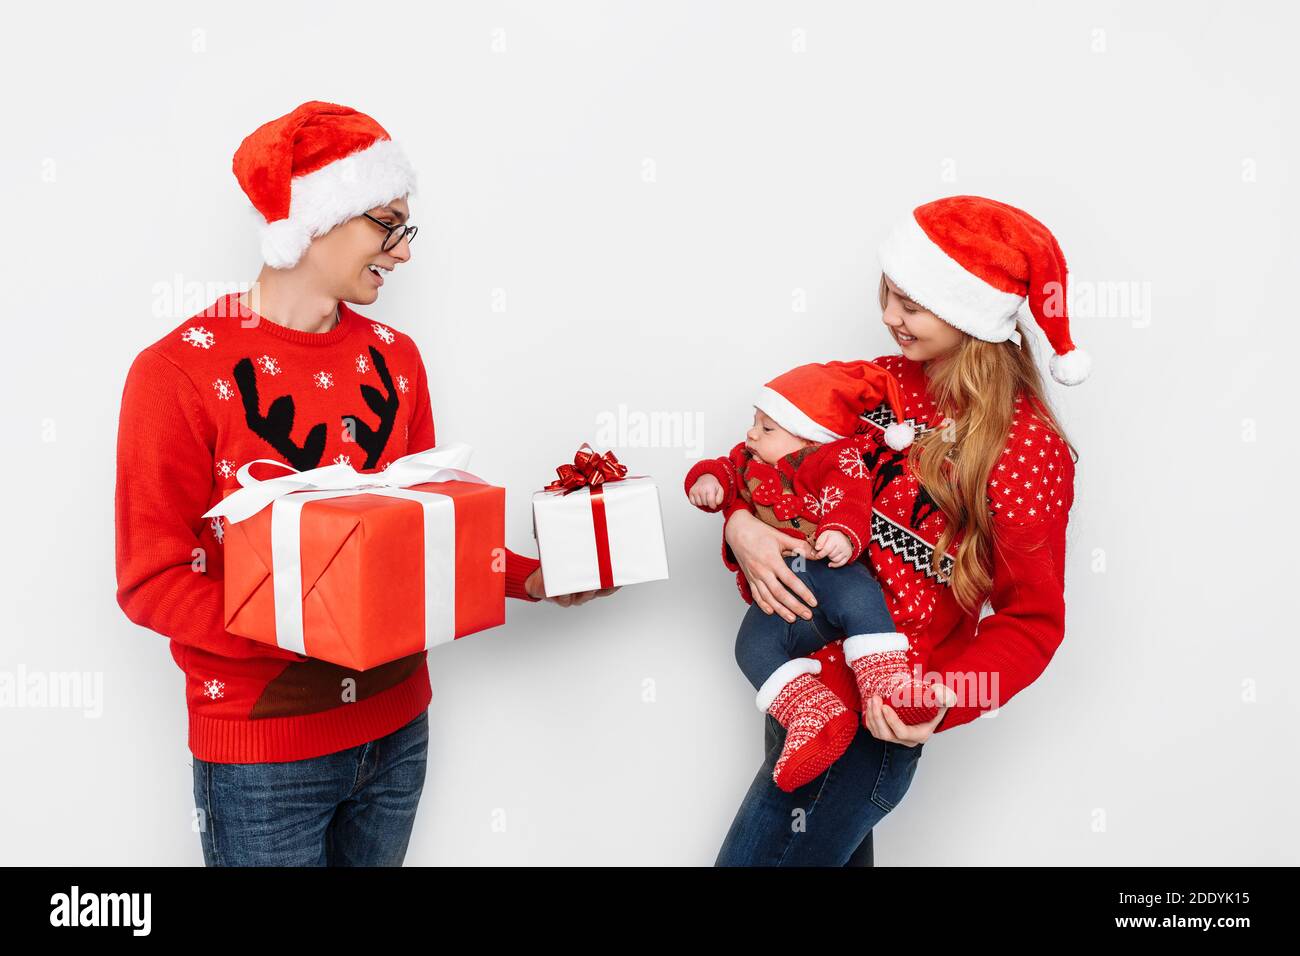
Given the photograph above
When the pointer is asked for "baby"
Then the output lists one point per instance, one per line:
(800, 471)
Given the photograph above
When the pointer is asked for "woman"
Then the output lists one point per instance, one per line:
(974, 511)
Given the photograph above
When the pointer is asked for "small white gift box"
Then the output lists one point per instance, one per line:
(608, 537)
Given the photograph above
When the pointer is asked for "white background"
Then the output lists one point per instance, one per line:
(653, 190)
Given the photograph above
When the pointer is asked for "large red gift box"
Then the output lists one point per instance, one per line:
(379, 572)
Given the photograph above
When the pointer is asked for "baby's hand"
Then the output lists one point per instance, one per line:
(834, 545)
(706, 492)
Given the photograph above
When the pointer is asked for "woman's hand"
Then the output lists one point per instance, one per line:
(884, 723)
(535, 586)
(760, 550)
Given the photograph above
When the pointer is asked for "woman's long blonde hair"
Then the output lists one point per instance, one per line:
(974, 388)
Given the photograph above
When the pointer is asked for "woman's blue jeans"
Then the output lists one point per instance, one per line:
(355, 807)
(828, 821)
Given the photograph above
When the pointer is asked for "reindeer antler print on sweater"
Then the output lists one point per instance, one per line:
(373, 440)
(276, 426)
(887, 466)
(222, 389)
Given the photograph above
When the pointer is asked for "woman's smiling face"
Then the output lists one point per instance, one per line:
(920, 333)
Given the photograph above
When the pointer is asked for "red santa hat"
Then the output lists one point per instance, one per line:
(973, 262)
(315, 168)
(823, 401)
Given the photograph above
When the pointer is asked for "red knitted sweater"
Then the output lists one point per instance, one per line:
(224, 387)
(821, 487)
(1030, 492)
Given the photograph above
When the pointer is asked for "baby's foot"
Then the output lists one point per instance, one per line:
(819, 728)
(886, 674)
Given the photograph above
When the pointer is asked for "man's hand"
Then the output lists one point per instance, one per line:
(535, 586)
(834, 545)
(707, 492)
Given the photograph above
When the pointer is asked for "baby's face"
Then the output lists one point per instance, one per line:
(769, 442)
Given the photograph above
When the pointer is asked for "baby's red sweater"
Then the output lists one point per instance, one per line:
(823, 487)
(225, 387)
(1030, 493)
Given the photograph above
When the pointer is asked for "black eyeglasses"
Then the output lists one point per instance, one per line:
(395, 233)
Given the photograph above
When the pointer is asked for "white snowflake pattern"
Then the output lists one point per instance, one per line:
(1037, 494)
(830, 497)
(218, 530)
(403, 384)
(199, 337)
(363, 364)
(224, 389)
(214, 689)
(341, 460)
(269, 365)
(323, 380)
(384, 333)
(851, 463)
(226, 468)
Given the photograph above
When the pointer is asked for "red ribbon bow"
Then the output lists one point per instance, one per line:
(588, 470)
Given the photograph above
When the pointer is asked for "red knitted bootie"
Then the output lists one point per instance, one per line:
(818, 729)
(879, 663)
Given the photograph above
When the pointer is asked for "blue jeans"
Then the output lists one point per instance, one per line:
(849, 601)
(828, 821)
(355, 807)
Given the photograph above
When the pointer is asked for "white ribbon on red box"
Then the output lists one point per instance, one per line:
(287, 494)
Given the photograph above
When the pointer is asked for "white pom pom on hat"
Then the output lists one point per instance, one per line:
(898, 435)
(1072, 367)
(974, 262)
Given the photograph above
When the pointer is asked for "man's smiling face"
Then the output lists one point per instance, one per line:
(350, 259)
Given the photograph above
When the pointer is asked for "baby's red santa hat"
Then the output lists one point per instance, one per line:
(315, 168)
(823, 401)
(973, 262)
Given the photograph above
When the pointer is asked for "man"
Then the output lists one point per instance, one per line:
(296, 761)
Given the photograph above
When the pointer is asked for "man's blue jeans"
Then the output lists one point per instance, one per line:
(355, 807)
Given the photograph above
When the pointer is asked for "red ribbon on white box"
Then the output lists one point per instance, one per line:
(593, 470)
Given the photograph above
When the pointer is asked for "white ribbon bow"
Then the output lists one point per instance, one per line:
(288, 494)
(443, 463)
